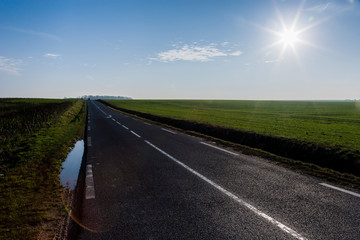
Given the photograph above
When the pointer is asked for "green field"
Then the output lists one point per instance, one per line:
(35, 136)
(325, 123)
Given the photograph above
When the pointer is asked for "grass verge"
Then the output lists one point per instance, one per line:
(30, 203)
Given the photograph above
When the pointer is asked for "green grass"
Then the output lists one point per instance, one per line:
(324, 123)
(35, 136)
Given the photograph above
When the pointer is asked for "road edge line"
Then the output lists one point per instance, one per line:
(340, 189)
(218, 148)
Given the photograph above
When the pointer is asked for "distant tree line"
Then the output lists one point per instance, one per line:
(94, 97)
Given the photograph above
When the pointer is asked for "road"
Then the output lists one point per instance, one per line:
(145, 181)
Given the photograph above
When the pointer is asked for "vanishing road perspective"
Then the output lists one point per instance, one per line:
(144, 181)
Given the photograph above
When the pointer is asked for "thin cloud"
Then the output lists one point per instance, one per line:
(88, 65)
(10, 65)
(31, 32)
(272, 61)
(318, 8)
(90, 77)
(194, 53)
(51, 55)
(331, 7)
(236, 53)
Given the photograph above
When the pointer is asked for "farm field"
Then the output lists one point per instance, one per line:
(324, 123)
(35, 137)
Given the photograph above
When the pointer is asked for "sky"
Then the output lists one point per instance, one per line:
(181, 49)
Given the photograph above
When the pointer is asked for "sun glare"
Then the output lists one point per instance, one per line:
(289, 37)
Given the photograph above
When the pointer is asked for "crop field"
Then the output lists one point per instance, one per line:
(35, 136)
(325, 123)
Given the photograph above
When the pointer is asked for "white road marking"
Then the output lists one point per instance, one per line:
(113, 119)
(89, 141)
(340, 189)
(101, 110)
(125, 127)
(89, 182)
(135, 134)
(234, 197)
(221, 149)
(118, 123)
(147, 123)
(164, 129)
(109, 116)
(89, 128)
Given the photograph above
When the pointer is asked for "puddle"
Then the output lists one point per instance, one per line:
(71, 166)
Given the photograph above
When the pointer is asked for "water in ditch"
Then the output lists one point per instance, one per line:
(71, 166)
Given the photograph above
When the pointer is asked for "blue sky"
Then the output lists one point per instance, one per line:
(198, 49)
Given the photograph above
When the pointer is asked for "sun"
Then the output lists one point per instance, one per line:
(289, 38)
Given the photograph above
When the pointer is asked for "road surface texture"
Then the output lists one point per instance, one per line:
(144, 181)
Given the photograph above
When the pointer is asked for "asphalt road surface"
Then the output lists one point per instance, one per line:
(144, 181)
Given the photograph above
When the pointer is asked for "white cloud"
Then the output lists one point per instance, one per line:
(236, 53)
(52, 55)
(194, 53)
(10, 65)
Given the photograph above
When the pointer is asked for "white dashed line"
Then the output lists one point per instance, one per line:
(118, 123)
(340, 189)
(113, 119)
(89, 141)
(125, 127)
(234, 197)
(147, 123)
(221, 149)
(101, 110)
(164, 129)
(89, 128)
(89, 182)
(135, 134)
